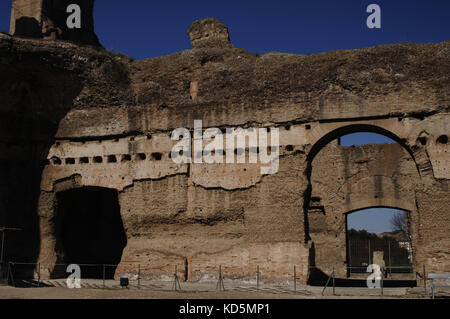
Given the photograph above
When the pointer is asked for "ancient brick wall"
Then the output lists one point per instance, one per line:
(106, 121)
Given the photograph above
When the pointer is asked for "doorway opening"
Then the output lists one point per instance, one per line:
(379, 236)
(350, 169)
(89, 232)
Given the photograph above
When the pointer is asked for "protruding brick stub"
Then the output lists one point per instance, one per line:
(210, 33)
(47, 19)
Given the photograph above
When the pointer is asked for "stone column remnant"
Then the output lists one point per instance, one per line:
(209, 32)
(47, 19)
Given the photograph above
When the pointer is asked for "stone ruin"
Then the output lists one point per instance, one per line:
(209, 33)
(86, 170)
(47, 19)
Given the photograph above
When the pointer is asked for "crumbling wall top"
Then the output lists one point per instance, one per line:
(209, 32)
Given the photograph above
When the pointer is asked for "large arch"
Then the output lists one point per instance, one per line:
(385, 202)
(402, 131)
(357, 192)
(331, 131)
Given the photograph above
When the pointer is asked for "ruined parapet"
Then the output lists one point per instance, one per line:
(47, 19)
(26, 18)
(209, 32)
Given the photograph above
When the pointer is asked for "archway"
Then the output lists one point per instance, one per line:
(381, 236)
(89, 231)
(344, 179)
(354, 128)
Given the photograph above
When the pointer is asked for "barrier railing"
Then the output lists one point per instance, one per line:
(390, 272)
(142, 276)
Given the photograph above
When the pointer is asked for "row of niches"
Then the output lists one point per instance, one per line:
(442, 140)
(105, 159)
(156, 156)
(255, 150)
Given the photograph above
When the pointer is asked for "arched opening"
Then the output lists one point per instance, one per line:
(89, 231)
(381, 236)
(354, 129)
(363, 138)
(351, 168)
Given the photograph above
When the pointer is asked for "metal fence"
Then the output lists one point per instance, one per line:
(396, 255)
(142, 276)
(3, 273)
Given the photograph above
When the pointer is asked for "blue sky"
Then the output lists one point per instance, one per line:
(374, 220)
(364, 138)
(143, 29)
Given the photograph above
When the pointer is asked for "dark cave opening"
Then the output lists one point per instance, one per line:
(89, 232)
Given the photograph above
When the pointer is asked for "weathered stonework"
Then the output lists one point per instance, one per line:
(48, 19)
(208, 33)
(76, 117)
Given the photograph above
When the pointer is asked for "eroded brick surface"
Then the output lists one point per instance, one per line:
(76, 117)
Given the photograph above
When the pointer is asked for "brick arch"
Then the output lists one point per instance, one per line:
(391, 127)
(327, 132)
(324, 133)
(368, 199)
(376, 185)
(385, 201)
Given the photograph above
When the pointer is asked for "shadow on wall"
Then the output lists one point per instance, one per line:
(28, 27)
(89, 232)
(55, 14)
(34, 98)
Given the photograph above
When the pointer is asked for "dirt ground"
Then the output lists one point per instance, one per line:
(7, 292)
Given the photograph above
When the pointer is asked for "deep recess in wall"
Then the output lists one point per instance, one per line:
(364, 138)
(89, 230)
(349, 137)
(389, 241)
